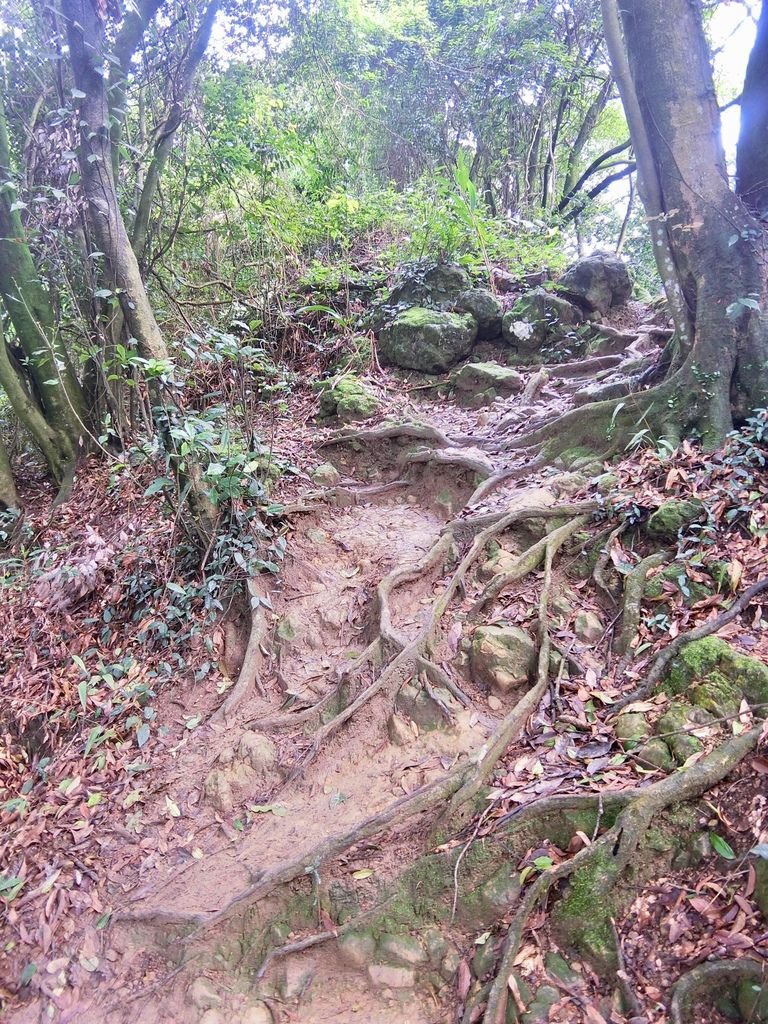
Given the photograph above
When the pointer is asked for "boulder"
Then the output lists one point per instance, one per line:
(325, 475)
(427, 340)
(257, 750)
(672, 516)
(588, 627)
(389, 976)
(597, 282)
(482, 377)
(502, 657)
(427, 712)
(537, 317)
(404, 950)
(485, 308)
(437, 285)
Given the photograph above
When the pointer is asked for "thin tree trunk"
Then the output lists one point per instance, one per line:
(8, 496)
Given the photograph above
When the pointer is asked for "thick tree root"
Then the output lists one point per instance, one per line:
(452, 458)
(609, 854)
(702, 986)
(249, 671)
(634, 588)
(604, 560)
(489, 485)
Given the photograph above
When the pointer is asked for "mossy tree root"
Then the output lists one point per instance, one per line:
(704, 983)
(391, 431)
(480, 466)
(602, 862)
(634, 589)
(603, 560)
(663, 659)
(249, 671)
(516, 472)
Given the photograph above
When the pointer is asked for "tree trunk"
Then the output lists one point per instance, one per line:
(87, 47)
(44, 393)
(8, 496)
(714, 247)
(752, 151)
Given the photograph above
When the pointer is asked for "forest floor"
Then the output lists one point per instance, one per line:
(147, 874)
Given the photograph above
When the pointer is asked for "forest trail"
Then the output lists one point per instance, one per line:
(352, 771)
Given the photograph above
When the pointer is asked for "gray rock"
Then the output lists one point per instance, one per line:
(478, 377)
(203, 995)
(484, 959)
(257, 1014)
(435, 944)
(655, 753)
(537, 317)
(588, 627)
(399, 731)
(415, 703)
(599, 282)
(348, 398)
(538, 1010)
(213, 1017)
(295, 980)
(401, 949)
(257, 750)
(502, 657)
(449, 965)
(631, 728)
(430, 284)
(357, 948)
(217, 791)
(485, 308)
(389, 976)
(427, 340)
(325, 475)
(491, 900)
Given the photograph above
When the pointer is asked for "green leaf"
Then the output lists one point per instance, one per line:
(142, 734)
(27, 975)
(77, 94)
(103, 921)
(82, 692)
(720, 846)
(10, 887)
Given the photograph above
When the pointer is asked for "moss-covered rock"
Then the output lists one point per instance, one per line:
(674, 726)
(486, 903)
(674, 578)
(502, 657)
(582, 918)
(428, 712)
(402, 949)
(672, 516)
(761, 885)
(427, 340)
(752, 999)
(631, 728)
(539, 317)
(712, 660)
(438, 285)
(348, 398)
(655, 754)
(485, 308)
(481, 378)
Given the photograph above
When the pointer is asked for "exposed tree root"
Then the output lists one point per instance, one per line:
(249, 671)
(658, 667)
(512, 473)
(479, 465)
(634, 588)
(389, 431)
(603, 561)
(533, 386)
(609, 854)
(526, 562)
(709, 980)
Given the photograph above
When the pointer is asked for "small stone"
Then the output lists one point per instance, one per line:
(218, 792)
(296, 979)
(561, 970)
(450, 965)
(567, 484)
(655, 754)
(391, 976)
(399, 731)
(494, 703)
(325, 475)
(674, 726)
(316, 536)
(631, 728)
(484, 959)
(538, 1009)
(435, 944)
(213, 1017)
(257, 750)
(357, 948)
(503, 657)
(256, 1014)
(588, 627)
(203, 995)
(428, 712)
(227, 756)
(607, 483)
(401, 949)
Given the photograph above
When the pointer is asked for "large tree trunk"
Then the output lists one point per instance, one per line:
(709, 243)
(752, 152)
(88, 51)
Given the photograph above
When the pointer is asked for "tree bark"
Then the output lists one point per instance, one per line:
(752, 151)
(9, 499)
(706, 241)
